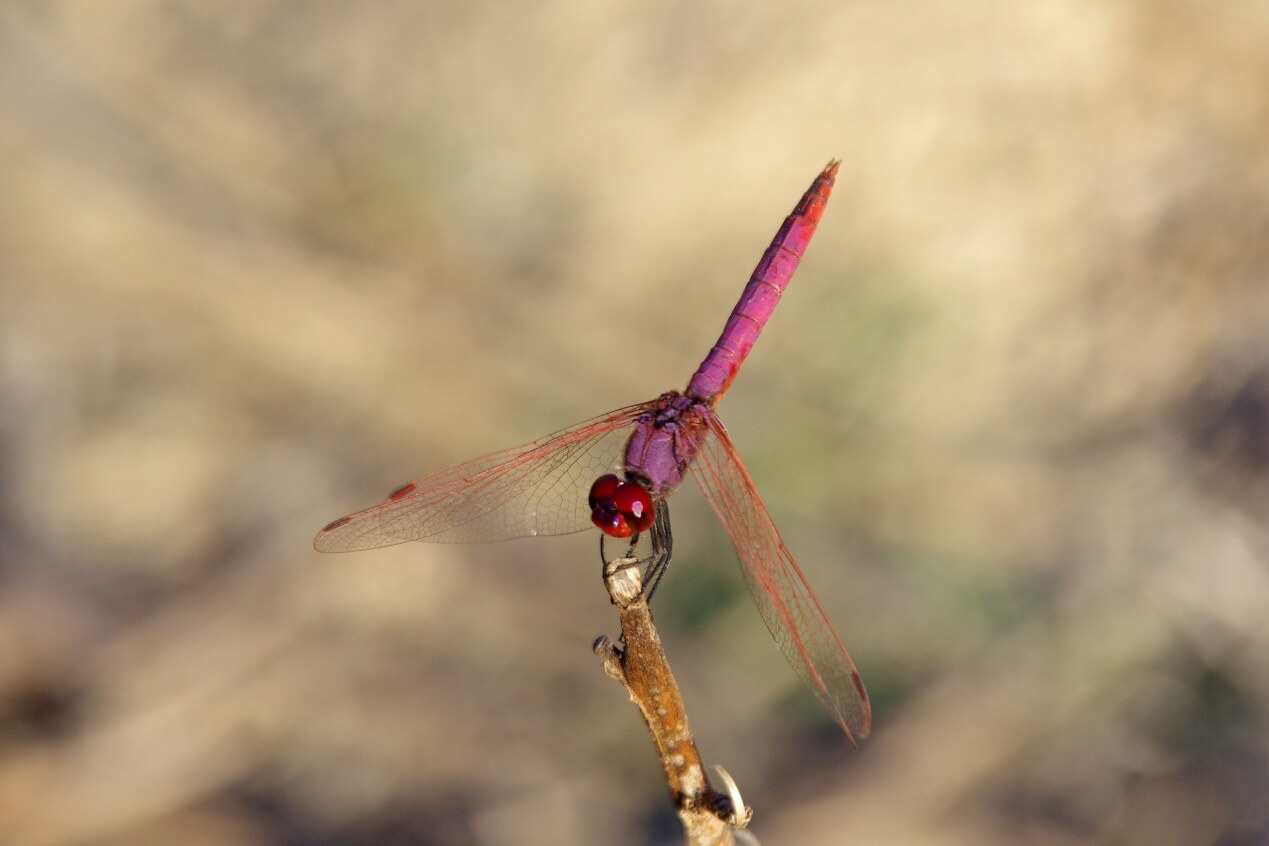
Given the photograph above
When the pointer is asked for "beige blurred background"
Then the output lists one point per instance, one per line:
(262, 262)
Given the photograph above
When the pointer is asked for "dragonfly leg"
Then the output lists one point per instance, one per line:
(657, 560)
(662, 546)
(626, 560)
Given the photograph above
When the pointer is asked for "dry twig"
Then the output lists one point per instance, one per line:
(639, 663)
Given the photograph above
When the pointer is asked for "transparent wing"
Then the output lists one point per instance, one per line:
(534, 489)
(784, 599)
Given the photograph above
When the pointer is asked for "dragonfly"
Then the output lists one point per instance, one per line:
(539, 488)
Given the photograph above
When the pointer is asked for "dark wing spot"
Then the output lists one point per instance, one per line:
(404, 490)
(335, 524)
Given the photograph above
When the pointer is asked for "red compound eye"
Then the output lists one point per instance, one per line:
(620, 508)
(635, 504)
(604, 488)
(612, 524)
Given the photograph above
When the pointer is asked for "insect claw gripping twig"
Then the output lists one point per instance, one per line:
(624, 582)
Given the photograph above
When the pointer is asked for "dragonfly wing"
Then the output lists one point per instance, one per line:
(784, 599)
(534, 489)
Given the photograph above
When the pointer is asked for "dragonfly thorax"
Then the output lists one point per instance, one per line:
(664, 442)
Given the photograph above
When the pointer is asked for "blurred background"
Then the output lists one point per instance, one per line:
(262, 262)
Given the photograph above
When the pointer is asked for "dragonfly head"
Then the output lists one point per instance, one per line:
(620, 508)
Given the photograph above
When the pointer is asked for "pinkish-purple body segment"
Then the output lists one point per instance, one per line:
(762, 293)
(665, 438)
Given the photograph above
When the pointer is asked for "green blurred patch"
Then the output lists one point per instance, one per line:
(697, 592)
(849, 358)
(863, 325)
(965, 601)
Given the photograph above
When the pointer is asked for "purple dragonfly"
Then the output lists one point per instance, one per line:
(537, 488)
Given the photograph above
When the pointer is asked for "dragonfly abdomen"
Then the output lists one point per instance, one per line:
(763, 291)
